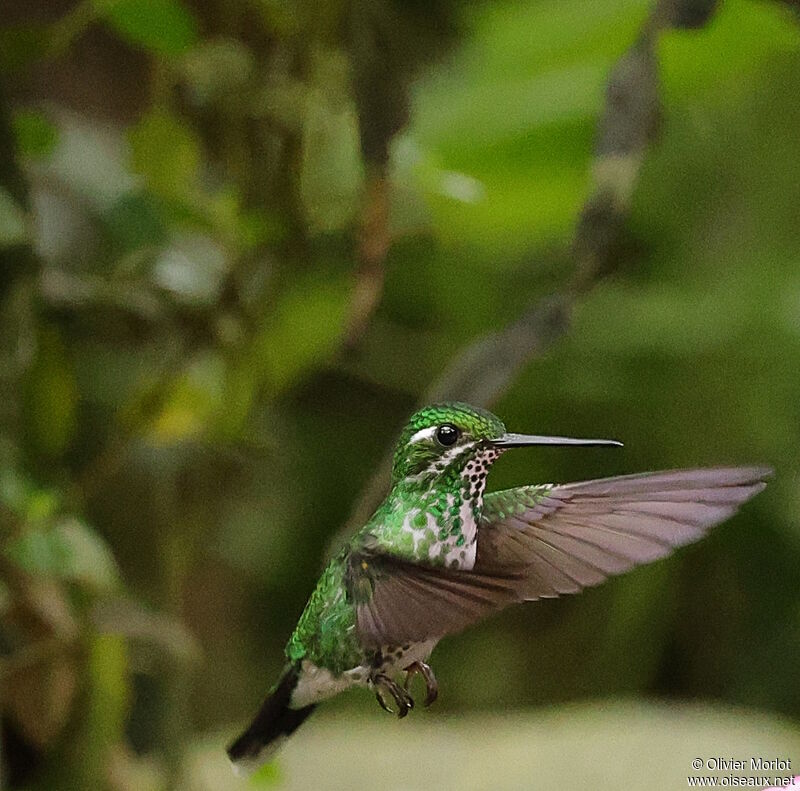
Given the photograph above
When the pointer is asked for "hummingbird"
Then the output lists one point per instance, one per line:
(439, 554)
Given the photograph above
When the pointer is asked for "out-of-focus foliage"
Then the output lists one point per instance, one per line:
(239, 241)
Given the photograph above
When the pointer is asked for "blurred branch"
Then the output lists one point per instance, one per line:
(11, 176)
(381, 95)
(373, 246)
(382, 73)
(482, 371)
(18, 259)
(153, 629)
(34, 653)
(69, 28)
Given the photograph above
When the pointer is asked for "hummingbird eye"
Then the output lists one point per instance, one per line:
(447, 434)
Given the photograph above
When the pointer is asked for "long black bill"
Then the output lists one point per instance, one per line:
(521, 440)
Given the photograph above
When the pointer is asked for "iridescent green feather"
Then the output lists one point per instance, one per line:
(510, 502)
(326, 633)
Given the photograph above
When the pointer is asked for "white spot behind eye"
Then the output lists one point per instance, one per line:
(423, 433)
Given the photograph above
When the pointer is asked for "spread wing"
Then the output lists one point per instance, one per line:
(572, 536)
(542, 541)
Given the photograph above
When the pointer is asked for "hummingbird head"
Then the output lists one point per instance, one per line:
(442, 437)
(438, 478)
(450, 440)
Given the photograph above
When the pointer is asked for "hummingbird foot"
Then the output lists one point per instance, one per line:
(402, 699)
(431, 684)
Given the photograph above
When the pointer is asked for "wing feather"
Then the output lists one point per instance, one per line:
(413, 603)
(538, 542)
(609, 525)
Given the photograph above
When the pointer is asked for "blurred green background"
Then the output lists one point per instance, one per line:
(242, 240)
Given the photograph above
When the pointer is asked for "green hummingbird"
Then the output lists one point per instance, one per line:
(438, 555)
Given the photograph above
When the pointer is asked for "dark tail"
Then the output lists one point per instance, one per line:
(274, 722)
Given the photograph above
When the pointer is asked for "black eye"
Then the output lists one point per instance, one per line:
(447, 434)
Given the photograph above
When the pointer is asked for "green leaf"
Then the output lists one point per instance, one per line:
(164, 27)
(21, 46)
(90, 161)
(192, 269)
(84, 556)
(13, 228)
(215, 69)
(501, 135)
(30, 504)
(36, 135)
(51, 396)
(303, 330)
(195, 397)
(166, 153)
(134, 222)
(34, 552)
(70, 551)
(743, 35)
(331, 169)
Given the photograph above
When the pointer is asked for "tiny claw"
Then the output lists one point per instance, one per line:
(382, 702)
(402, 699)
(431, 684)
